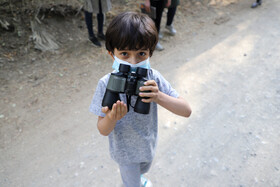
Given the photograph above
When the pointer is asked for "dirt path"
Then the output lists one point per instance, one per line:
(228, 71)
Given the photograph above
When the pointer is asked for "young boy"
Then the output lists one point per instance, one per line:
(131, 39)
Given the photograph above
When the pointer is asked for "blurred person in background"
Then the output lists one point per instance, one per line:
(170, 17)
(98, 7)
(159, 5)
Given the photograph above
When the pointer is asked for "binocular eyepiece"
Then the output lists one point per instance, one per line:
(129, 83)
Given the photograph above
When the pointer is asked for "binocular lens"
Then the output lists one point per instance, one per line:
(124, 68)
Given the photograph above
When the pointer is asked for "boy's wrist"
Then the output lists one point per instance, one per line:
(158, 98)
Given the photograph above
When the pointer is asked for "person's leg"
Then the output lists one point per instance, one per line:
(88, 19)
(130, 174)
(159, 10)
(170, 15)
(100, 20)
(92, 38)
(144, 168)
(159, 5)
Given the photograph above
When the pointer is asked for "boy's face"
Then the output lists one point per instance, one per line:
(132, 56)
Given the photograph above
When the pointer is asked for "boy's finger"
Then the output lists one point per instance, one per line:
(147, 100)
(118, 109)
(105, 109)
(124, 109)
(147, 94)
(143, 94)
(113, 112)
(148, 89)
(150, 82)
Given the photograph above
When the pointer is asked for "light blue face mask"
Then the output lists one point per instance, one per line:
(133, 67)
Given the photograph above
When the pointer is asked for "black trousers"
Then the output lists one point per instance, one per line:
(100, 20)
(170, 15)
(159, 5)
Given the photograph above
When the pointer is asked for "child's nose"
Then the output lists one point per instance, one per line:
(133, 60)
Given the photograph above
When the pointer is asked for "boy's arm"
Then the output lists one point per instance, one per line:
(107, 124)
(176, 105)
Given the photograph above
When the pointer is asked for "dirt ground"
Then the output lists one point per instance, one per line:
(224, 60)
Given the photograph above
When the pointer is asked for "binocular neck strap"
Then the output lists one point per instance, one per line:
(128, 99)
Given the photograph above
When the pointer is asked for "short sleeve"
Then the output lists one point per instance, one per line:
(96, 103)
(164, 86)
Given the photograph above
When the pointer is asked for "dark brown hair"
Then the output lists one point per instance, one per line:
(131, 31)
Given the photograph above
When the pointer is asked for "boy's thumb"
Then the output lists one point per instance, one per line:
(105, 109)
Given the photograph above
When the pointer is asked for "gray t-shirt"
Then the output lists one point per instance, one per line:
(134, 137)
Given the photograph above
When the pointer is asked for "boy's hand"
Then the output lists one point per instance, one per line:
(119, 110)
(151, 86)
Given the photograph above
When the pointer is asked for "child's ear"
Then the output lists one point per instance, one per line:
(111, 54)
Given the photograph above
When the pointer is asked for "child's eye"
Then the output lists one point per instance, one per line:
(142, 53)
(124, 53)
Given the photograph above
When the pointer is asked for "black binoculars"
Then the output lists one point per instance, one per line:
(129, 83)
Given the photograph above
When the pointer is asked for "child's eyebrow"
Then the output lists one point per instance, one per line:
(125, 50)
